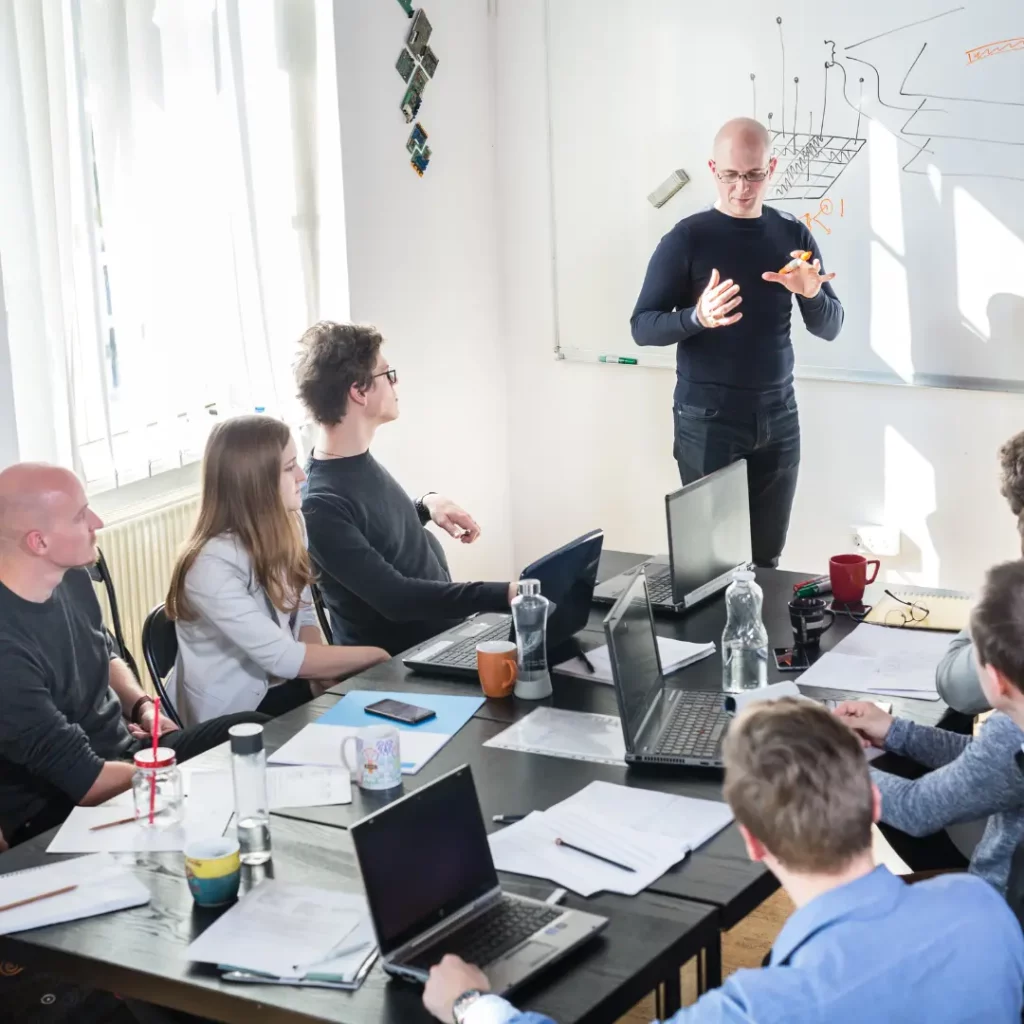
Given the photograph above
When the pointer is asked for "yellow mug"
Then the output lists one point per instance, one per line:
(213, 869)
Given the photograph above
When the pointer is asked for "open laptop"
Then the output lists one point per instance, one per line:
(567, 577)
(708, 540)
(432, 889)
(660, 725)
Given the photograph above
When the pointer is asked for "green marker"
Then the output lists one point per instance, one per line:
(624, 360)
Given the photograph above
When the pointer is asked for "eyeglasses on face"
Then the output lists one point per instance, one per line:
(391, 374)
(731, 177)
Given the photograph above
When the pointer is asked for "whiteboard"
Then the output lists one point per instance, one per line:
(899, 129)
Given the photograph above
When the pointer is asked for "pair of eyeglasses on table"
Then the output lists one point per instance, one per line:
(909, 613)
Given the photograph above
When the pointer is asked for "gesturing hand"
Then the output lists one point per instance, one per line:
(717, 301)
(867, 720)
(800, 277)
(452, 519)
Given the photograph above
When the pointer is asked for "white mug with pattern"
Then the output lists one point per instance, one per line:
(377, 762)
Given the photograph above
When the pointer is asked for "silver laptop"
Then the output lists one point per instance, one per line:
(660, 725)
(708, 525)
(432, 889)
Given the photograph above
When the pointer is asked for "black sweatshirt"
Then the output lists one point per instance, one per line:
(383, 578)
(59, 718)
(747, 365)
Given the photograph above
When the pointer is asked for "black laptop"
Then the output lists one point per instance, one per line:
(567, 578)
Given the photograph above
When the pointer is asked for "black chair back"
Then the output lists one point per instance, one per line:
(100, 572)
(321, 613)
(160, 648)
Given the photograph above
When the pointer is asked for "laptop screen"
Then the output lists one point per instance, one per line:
(423, 858)
(708, 529)
(633, 649)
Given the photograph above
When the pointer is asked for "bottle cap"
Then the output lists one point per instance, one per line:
(743, 576)
(529, 586)
(246, 738)
(163, 758)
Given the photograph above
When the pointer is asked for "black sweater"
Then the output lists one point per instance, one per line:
(384, 579)
(748, 365)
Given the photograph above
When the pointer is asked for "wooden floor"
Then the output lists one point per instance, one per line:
(743, 946)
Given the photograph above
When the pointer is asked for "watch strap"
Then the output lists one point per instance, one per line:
(421, 510)
(463, 1003)
(137, 708)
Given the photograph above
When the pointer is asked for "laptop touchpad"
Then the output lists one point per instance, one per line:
(530, 955)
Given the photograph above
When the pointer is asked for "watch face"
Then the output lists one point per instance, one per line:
(463, 1003)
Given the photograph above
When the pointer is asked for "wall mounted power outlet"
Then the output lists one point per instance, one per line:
(882, 541)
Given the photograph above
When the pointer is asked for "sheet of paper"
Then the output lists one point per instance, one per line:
(690, 821)
(321, 745)
(577, 735)
(203, 819)
(879, 659)
(675, 655)
(307, 786)
(277, 928)
(529, 848)
(103, 886)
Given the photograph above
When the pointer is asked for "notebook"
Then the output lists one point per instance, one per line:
(946, 612)
(101, 885)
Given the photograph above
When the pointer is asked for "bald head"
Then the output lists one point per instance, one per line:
(743, 132)
(45, 516)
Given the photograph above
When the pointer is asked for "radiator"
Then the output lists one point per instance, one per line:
(140, 550)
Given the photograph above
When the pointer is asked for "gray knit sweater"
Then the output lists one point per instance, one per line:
(972, 778)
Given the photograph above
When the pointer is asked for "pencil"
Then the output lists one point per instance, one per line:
(111, 824)
(596, 856)
(805, 256)
(41, 896)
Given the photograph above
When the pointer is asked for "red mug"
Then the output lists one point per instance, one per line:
(849, 576)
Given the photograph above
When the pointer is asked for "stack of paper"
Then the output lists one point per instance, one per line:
(639, 829)
(941, 610)
(91, 885)
(674, 654)
(291, 935)
(876, 659)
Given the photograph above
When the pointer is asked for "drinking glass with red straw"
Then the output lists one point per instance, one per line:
(152, 777)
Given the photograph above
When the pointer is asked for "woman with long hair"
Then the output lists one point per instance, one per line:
(240, 593)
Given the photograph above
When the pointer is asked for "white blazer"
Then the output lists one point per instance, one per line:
(239, 644)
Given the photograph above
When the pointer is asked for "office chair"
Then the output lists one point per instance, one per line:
(160, 649)
(321, 613)
(100, 573)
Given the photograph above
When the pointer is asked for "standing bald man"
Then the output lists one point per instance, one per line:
(713, 289)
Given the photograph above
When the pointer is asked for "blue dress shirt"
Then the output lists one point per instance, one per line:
(944, 951)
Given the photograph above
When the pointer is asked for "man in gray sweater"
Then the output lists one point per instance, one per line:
(970, 778)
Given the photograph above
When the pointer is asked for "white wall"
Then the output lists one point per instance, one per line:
(8, 421)
(422, 258)
(600, 436)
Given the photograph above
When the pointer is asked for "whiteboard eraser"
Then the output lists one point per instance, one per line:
(668, 188)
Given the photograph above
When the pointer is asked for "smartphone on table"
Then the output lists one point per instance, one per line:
(399, 711)
(791, 659)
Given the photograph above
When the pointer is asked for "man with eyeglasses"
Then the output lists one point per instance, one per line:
(720, 288)
(382, 575)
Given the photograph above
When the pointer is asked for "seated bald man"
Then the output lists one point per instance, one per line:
(72, 715)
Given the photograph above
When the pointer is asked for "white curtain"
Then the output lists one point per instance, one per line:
(175, 157)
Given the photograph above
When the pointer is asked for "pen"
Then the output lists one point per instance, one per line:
(596, 856)
(622, 360)
(805, 256)
(41, 896)
(111, 824)
(586, 661)
(507, 819)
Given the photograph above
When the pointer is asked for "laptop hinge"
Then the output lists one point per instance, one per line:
(455, 921)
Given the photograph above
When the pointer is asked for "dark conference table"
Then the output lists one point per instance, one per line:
(140, 952)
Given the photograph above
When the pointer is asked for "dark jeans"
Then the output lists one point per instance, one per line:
(284, 697)
(185, 742)
(710, 439)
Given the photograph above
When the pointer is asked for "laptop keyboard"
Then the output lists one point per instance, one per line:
(696, 727)
(659, 586)
(462, 653)
(490, 935)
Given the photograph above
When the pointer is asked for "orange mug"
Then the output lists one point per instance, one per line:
(496, 665)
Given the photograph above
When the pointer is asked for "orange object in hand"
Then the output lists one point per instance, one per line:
(805, 256)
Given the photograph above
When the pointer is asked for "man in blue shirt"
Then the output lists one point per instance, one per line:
(862, 945)
(720, 288)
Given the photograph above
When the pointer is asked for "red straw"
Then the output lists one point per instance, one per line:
(152, 777)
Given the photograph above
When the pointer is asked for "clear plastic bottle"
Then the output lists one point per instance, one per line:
(530, 616)
(252, 811)
(157, 784)
(744, 641)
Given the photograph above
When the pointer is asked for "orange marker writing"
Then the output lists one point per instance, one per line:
(805, 256)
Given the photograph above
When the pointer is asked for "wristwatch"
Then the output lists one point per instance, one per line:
(421, 510)
(137, 708)
(463, 1003)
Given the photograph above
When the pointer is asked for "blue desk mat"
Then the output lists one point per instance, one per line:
(450, 713)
